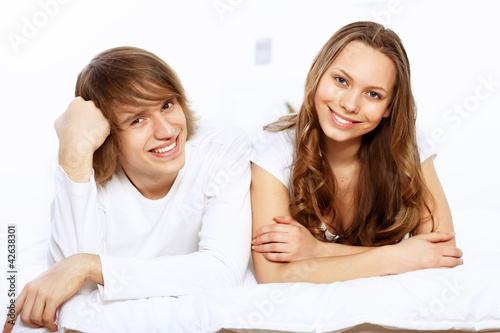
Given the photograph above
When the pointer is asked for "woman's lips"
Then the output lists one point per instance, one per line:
(341, 121)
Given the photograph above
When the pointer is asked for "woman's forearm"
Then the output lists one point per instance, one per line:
(329, 269)
(336, 249)
(419, 252)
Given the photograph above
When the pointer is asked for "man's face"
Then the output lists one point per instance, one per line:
(152, 142)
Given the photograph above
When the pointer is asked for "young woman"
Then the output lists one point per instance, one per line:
(338, 188)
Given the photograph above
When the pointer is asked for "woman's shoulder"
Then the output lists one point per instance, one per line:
(268, 140)
(274, 152)
(426, 147)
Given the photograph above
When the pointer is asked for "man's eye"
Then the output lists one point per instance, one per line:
(137, 121)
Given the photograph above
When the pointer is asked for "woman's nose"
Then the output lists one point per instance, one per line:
(349, 101)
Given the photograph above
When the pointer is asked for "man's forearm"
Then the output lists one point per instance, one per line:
(76, 163)
(90, 267)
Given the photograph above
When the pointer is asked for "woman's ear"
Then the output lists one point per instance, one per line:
(386, 113)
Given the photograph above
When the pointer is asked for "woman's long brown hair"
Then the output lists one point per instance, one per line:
(390, 198)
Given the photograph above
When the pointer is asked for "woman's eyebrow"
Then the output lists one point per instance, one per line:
(350, 79)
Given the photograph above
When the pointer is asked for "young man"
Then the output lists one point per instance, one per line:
(143, 207)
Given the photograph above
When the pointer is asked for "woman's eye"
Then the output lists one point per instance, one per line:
(167, 105)
(373, 94)
(137, 121)
(341, 80)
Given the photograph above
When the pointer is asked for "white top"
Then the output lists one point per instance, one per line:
(197, 237)
(275, 153)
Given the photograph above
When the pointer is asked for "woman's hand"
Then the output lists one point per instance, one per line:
(286, 241)
(41, 297)
(426, 251)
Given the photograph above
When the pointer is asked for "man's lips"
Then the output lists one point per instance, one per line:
(165, 148)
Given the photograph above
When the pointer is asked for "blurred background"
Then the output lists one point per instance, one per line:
(240, 61)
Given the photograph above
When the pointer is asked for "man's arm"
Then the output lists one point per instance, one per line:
(75, 226)
(223, 249)
(81, 130)
(41, 297)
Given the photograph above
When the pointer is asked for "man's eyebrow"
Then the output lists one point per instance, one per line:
(130, 115)
(133, 114)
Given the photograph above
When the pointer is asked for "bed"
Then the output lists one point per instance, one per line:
(462, 299)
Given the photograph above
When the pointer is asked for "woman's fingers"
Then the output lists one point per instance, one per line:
(284, 219)
(451, 251)
(270, 228)
(451, 262)
(277, 256)
(272, 237)
(437, 237)
(272, 247)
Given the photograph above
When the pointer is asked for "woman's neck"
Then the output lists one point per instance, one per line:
(344, 163)
(342, 154)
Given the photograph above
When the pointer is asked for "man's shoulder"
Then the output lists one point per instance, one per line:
(222, 136)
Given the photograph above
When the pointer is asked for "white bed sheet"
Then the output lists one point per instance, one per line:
(465, 298)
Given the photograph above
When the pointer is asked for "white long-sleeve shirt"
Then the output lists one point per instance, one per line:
(196, 237)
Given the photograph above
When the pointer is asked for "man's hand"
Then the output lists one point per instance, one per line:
(41, 297)
(81, 130)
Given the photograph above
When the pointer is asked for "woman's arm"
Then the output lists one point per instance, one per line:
(288, 240)
(270, 198)
(438, 203)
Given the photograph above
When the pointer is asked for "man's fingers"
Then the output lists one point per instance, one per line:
(28, 306)
(11, 317)
(37, 310)
(49, 316)
(21, 299)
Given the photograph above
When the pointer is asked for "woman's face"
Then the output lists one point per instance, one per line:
(354, 93)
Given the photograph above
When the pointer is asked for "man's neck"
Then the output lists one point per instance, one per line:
(152, 187)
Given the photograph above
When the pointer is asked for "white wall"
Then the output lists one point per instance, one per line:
(453, 47)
